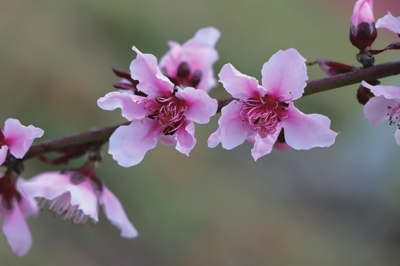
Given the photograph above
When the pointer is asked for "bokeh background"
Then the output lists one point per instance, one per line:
(331, 206)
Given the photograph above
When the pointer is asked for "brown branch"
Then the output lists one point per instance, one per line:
(101, 135)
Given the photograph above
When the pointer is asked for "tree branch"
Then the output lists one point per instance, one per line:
(101, 135)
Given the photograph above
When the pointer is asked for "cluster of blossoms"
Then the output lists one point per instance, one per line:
(76, 193)
(162, 101)
(382, 102)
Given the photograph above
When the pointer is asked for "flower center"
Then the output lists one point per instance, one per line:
(169, 112)
(185, 77)
(394, 115)
(264, 114)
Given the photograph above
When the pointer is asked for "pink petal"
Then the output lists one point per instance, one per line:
(303, 132)
(116, 214)
(3, 153)
(19, 138)
(397, 136)
(129, 144)
(48, 185)
(206, 36)
(200, 105)
(263, 146)
(389, 22)
(185, 140)
(240, 86)
(232, 130)
(284, 75)
(376, 109)
(151, 81)
(28, 205)
(362, 12)
(84, 196)
(131, 105)
(389, 92)
(16, 231)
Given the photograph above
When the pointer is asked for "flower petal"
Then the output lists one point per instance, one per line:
(28, 204)
(389, 22)
(116, 214)
(151, 81)
(129, 144)
(284, 75)
(263, 146)
(185, 138)
(19, 138)
(200, 105)
(232, 130)
(240, 86)
(84, 196)
(376, 109)
(303, 132)
(16, 231)
(389, 92)
(362, 12)
(397, 136)
(48, 185)
(132, 106)
(3, 153)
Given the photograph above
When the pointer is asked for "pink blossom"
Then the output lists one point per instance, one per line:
(16, 139)
(15, 206)
(389, 22)
(261, 112)
(384, 106)
(362, 25)
(77, 194)
(166, 113)
(190, 64)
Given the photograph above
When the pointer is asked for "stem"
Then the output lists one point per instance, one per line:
(101, 135)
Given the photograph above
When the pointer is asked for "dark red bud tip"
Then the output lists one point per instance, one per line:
(364, 94)
(183, 70)
(363, 35)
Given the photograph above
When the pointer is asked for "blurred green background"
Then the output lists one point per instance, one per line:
(332, 206)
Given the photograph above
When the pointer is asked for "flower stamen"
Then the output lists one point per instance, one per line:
(264, 114)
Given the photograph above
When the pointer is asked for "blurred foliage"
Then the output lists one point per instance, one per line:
(334, 206)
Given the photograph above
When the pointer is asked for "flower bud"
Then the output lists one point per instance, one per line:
(362, 30)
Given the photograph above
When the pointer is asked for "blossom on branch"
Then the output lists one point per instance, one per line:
(15, 139)
(261, 112)
(166, 113)
(186, 65)
(77, 193)
(384, 106)
(190, 64)
(389, 22)
(15, 206)
(362, 25)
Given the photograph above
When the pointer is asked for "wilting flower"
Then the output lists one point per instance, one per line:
(389, 22)
(190, 64)
(362, 25)
(15, 206)
(15, 139)
(76, 194)
(384, 106)
(166, 112)
(261, 112)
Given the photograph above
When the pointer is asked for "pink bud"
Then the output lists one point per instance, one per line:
(362, 30)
